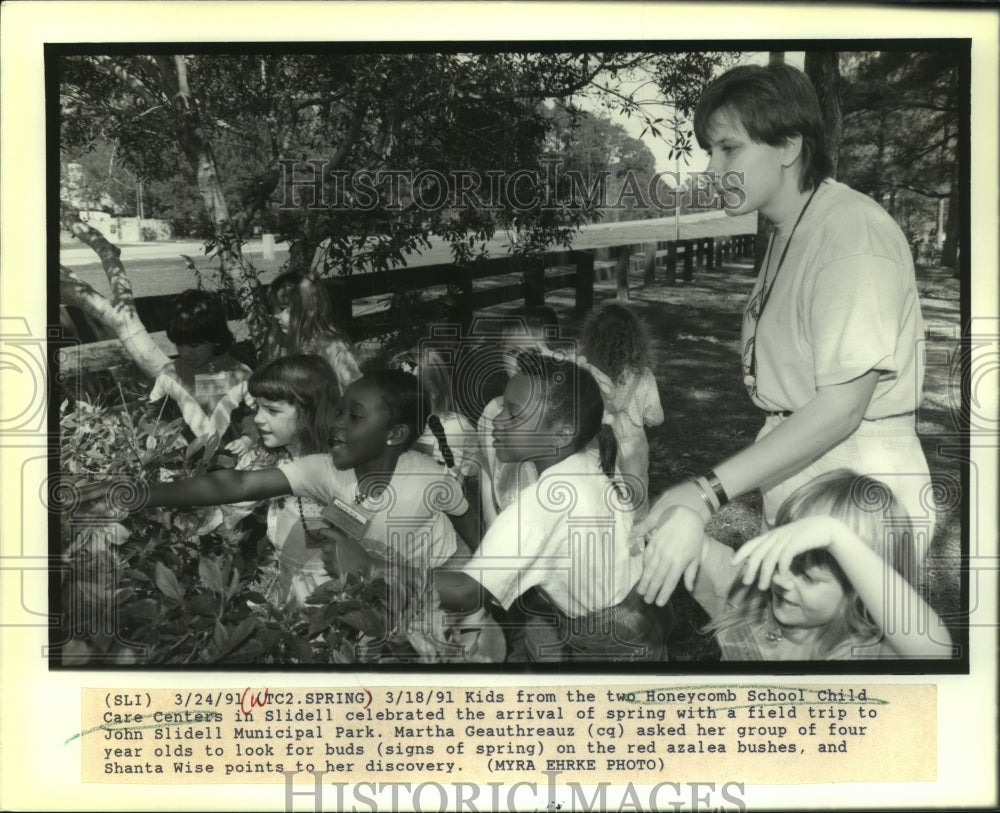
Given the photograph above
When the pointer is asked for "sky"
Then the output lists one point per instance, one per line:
(659, 148)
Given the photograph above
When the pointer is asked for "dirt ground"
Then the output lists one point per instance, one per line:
(695, 329)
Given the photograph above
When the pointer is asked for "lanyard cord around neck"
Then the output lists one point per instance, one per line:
(765, 293)
(765, 289)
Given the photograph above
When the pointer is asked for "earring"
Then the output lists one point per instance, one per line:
(388, 443)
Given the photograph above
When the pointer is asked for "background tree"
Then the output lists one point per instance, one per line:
(601, 150)
(901, 131)
(245, 117)
(823, 70)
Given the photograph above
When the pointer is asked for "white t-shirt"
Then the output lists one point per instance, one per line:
(568, 533)
(408, 517)
(843, 302)
(630, 407)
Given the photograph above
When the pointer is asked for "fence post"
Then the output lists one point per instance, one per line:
(340, 298)
(671, 262)
(267, 246)
(463, 283)
(649, 273)
(584, 283)
(534, 281)
(709, 246)
(688, 261)
(622, 254)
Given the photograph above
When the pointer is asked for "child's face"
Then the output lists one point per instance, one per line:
(520, 430)
(731, 149)
(283, 318)
(277, 422)
(196, 355)
(812, 598)
(362, 426)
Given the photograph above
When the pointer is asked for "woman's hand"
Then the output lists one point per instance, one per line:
(674, 530)
(774, 551)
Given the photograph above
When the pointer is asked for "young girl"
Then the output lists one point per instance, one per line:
(304, 323)
(615, 344)
(524, 338)
(204, 373)
(375, 490)
(296, 399)
(834, 580)
(566, 534)
(450, 437)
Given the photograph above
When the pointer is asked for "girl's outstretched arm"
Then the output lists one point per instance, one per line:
(218, 488)
(911, 627)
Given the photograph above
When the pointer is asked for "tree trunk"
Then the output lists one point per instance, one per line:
(823, 69)
(119, 312)
(197, 147)
(949, 251)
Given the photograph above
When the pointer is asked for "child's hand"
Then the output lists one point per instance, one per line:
(240, 447)
(774, 551)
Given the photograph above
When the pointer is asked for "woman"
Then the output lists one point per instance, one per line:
(831, 333)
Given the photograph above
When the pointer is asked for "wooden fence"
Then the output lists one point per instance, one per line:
(460, 291)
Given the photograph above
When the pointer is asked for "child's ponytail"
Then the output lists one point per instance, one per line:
(434, 424)
(607, 446)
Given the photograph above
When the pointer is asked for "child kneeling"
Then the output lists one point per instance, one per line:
(563, 544)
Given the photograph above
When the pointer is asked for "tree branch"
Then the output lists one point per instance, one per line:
(121, 288)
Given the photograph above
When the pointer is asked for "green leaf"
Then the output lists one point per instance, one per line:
(220, 637)
(299, 648)
(167, 582)
(365, 620)
(242, 632)
(234, 584)
(211, 575)
(203, 604)
(194, 447)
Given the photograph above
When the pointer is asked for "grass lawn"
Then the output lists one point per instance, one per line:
(695, 328)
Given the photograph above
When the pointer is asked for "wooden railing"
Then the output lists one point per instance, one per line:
(464, 290)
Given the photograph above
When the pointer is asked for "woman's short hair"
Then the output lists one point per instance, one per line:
(773, 104)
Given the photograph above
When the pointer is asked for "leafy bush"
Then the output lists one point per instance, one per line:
(186, 587)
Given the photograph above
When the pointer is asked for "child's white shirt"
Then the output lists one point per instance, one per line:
(636, 398)
(408, 517)
(568, 533)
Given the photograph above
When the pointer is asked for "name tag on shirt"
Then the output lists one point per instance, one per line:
(350, 519)
(209, 385)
